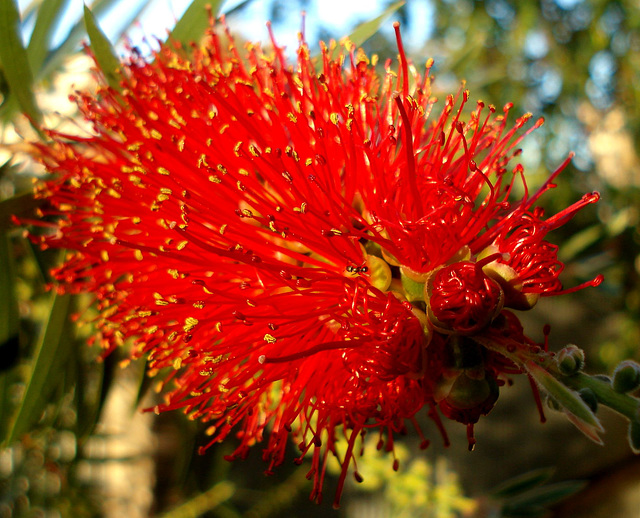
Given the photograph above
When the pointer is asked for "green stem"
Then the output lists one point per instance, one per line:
(624, 404)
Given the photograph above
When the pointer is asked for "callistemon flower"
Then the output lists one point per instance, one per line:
(302, 250)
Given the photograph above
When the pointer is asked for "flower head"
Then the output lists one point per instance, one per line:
(306, 247)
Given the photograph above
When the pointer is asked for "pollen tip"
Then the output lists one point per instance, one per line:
(592, 197)
(262, 359)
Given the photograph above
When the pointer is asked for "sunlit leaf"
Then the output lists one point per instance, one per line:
(103, 50)
(78, 32)
(15, 62)
(195, 20)
(49, 14)
(365, 30)
(47, 367)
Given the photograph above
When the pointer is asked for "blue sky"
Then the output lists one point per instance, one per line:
(341, 16)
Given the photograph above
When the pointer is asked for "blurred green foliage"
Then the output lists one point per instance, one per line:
(574, 62)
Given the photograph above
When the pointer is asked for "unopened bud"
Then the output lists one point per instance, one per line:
(413, 290)
(511, 284)
(634, 435)
(570, 360)
(626, 377)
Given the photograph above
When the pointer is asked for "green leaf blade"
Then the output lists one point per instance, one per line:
(103, 51)
(9, 315)
(365, 30)
(522, 483)
(48, 364)
(49, 14)
(193, 23)
(576, 410)
(15, 61)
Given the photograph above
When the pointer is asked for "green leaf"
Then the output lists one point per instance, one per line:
(8, 302)
(579, 242)
(90, 409)
(625, 404)
(365, 30)
(103, 50)
(76, 34)
(88, 401)
(522, 483)
(15, 61)
(203, 502)
(545, 496)
(9, 313)
(47, 367)
(572, 404)
(194, 21)
(49, 14)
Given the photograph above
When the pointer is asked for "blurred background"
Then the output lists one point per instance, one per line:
(74, 441)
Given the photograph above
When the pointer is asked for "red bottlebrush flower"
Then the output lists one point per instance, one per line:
(461, 298)
(309, 253)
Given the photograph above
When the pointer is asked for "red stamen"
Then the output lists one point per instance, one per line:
(411, 162)
(403, 60)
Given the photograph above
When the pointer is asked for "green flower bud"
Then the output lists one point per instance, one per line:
(626, 377)
(570, 360)
(510, 283)
(634, 435)
(413, 290)
(379, 273)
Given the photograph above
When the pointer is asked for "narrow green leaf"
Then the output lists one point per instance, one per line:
(194, 21)
(548, 495)
(49, 13)
(365, 30)
(103, 50)
(4, 403)
(579, 242)
(15, 61)
(89, 411)
(203, 502)
(76, 34)
(47, 367)
(9, 315)
(144, 386)
(522, 483)
(577, 411)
